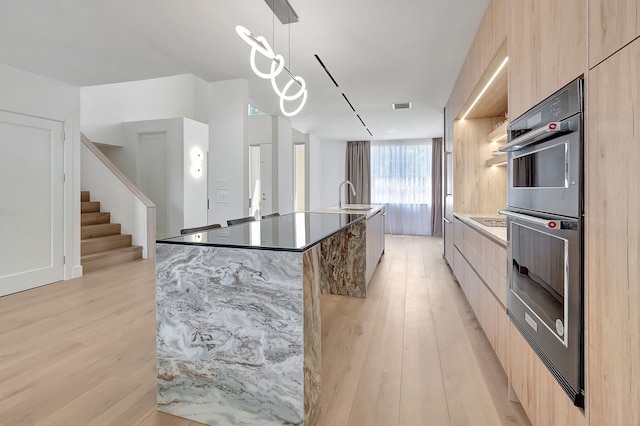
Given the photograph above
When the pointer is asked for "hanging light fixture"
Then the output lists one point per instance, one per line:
(260, 44)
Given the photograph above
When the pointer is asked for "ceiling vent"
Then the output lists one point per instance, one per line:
(405, 105)
(283, 10)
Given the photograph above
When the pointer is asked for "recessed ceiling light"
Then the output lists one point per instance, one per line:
(391, 131)
(404, 105)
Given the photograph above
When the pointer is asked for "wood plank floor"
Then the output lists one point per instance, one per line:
(82, 352)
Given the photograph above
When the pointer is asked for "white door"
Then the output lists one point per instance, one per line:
(255, 194)
(266, 177)
(299, 183)
(31, 202)
(152, 176)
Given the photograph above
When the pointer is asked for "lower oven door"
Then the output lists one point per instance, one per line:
(544, 297)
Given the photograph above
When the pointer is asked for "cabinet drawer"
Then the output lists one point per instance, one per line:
(540, 395)
(491, 315)
(458, 233)
(486, 256)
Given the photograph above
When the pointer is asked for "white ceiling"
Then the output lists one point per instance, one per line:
(379, 52)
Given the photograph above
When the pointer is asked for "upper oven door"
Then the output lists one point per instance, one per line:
(544, 171)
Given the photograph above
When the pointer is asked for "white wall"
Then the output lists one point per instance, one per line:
(228, 150)
(31, 94)
(187, 192)
(326, 171)
(173, 128)
(196, 143)
(284, 166)
(260, 129)
(106, 107)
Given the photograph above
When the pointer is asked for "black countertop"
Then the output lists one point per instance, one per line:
(290, 232)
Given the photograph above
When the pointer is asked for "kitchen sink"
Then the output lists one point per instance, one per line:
(491, 222)
(356, 207)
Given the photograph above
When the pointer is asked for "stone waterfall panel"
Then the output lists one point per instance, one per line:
(344, 261)
(230, 344)
(312, 334)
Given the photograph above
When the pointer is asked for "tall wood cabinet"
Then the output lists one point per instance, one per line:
(447, 193)
(612, 24)
(613, 239)
(491, 35)
(547, 49)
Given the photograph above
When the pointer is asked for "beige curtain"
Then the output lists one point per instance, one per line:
(358, 171)
(436, 190)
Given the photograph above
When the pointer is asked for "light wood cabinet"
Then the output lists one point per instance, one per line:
(480, 267)
(490, 36)
(374, 242)
(612, 240)
(477, 188)
(547, 49)
(447, 178)
(538, 391)
(612, 24)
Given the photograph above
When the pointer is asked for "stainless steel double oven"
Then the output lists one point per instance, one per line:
(545, 233)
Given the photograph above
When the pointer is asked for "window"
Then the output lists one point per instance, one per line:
(255, 111)
(401, 179)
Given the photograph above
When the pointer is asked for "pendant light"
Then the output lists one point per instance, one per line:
(261, 45)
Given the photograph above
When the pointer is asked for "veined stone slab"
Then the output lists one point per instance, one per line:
(230, 335)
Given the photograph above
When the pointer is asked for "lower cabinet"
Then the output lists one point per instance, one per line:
(479, 264)
(540, 395)
(447, 236)
(375, 242)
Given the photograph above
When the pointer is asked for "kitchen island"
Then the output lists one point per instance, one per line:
(238, 317)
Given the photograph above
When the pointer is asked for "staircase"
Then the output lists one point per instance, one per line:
(101, 243)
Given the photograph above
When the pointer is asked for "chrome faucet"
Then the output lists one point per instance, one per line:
(353, 191)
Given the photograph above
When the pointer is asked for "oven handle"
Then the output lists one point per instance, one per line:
(529, 138)
(549, 224)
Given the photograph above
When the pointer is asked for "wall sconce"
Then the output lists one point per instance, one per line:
(197, 160)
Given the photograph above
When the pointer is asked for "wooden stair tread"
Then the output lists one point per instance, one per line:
(89, 206)
(95, 218)
(112, 252)
(112, 257)
(101, 242)
(99, 230)
(108, 242)
(105, 238)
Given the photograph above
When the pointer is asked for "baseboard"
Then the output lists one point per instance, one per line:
(76, 271)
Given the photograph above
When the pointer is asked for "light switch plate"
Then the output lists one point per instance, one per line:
(222, 197)
(222, 184)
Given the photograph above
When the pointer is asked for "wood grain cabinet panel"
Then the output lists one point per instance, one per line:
(541, 396)
(612, 24)
(612, 239)
(475, 263)
(477, 188)
(490, 36)
(547, 49)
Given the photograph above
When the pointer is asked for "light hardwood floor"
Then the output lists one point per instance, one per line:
(82, 352)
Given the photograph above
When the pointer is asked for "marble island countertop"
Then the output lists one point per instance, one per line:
(496, 233)
(290, 232)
